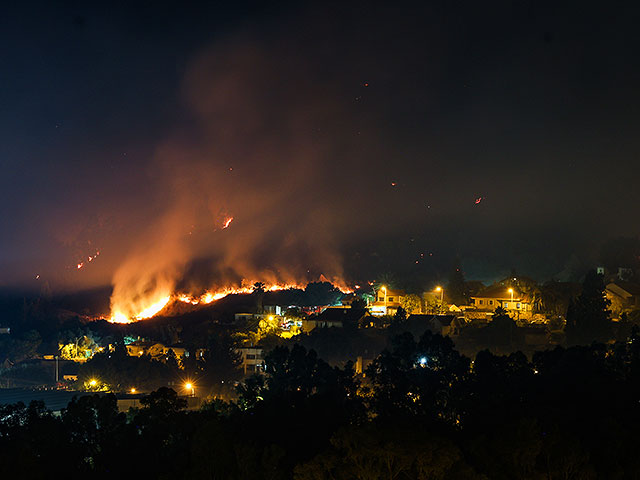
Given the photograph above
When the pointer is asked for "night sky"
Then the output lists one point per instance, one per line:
(347, 139)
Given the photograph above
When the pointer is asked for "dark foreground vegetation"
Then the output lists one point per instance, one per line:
(422, 411)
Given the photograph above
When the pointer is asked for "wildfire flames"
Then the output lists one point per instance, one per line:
(206, 298)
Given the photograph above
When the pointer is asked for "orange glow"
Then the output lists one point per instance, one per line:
(150, 311)
(206, 298)
(119, 317)
(227, 222)
(153, 309)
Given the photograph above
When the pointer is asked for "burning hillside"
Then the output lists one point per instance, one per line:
(172, 303)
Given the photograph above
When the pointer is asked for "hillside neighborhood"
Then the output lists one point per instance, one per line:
(232, 337)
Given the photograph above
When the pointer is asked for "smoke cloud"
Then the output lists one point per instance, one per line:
(252, 151)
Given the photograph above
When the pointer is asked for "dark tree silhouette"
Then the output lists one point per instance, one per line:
(588, 317)
(456, 290)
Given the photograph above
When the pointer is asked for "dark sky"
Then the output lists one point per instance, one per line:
(353, 135)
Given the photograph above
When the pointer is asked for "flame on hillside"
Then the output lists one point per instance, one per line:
(210, 296)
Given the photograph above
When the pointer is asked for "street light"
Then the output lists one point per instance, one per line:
(93, 382)
(441, 290)
(384, 289)
(189, 387)
(511, 292)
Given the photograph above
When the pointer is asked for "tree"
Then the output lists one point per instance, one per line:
(411, 303)
(222, 361)
(258, 293)
(321, 293)
(502, 331)
(400, 316)
(588, 317)
(456, 287)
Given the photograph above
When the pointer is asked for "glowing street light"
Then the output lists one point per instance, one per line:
(93, 382)
(441, 291)
(133, 390)
(384, 289)
(188, 386)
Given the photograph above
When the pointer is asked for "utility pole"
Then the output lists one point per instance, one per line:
(57, 372)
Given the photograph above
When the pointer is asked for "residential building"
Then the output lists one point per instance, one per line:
(387, 302)
(441, 324)
(154, 349)
(502, 295)
(252, 359)
(330, 317)
(624, 297)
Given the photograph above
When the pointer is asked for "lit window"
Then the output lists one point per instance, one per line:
(506, 304)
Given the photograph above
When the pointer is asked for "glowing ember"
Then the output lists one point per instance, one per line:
(90, 258)
(227, 222)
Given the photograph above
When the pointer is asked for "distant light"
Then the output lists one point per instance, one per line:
(93, 382)
(133, 390)
(438, 289)
(188, 386)
(423, 361)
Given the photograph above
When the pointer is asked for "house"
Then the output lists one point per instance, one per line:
(252, 359)
(387, 302)
(624, 297)
(348, 299)
(330, 317)
(154, 349)
(139, 348)
(178, 350)
(502, 295)
(274, 309)
(362, 364)
(440, 324)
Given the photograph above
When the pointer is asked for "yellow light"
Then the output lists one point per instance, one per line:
(133, 390)
(510, 290)
(271, 318)
(188, 386)
(93, 382)
(438, 289)
(383, 288)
